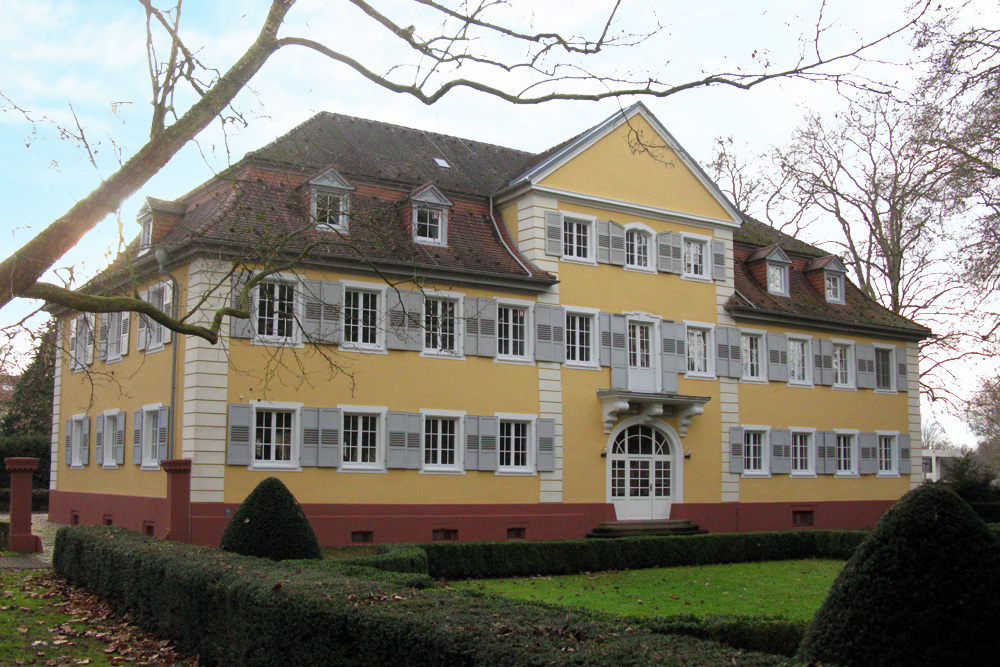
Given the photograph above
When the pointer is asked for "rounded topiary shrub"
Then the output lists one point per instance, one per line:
(922, 589)
(270, 524)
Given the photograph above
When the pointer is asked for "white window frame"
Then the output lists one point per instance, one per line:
(343, 216)
(777, 269)
(830, 279)
(109, 462)
(807, 360)
(530, 453)
(115, 334)
(649, 234)
(380, 412)
(78, 355)
(762, 358)
(855, 452)
(590, 223)
(529, 322)
(76, 441)
(592, 315)
(894, 449)
(147, 438)
(810, 470)
(706, 244)
(274, 406)
(298, 305)
(145, 233)
(459, 300)
(442, 229)
(893, 356)
(709, 372)
(765, 454)
(458, 467)
(152, 325)
(852, 380)
(378, 346)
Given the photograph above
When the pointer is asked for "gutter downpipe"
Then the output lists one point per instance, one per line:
(162, 257)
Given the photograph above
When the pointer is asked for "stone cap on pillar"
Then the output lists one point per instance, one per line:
(21, 464)
(176, 465)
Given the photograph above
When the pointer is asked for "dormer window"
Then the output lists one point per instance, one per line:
(834, 284)
(430, 216)
(145, 233)
(330, 201)
(777, 279)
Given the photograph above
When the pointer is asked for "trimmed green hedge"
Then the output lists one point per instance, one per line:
(239, 610)
(988, 512)
(393, 557)
(485, 560)
(753, 633)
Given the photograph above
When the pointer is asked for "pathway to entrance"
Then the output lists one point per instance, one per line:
(45, 529)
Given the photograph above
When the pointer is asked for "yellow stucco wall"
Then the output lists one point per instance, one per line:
(138, 379)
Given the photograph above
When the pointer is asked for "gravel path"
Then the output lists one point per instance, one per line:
(45, 529)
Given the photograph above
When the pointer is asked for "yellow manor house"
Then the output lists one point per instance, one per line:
(454, 340)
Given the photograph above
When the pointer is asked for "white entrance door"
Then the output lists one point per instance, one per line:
(641, 366)
(641, 480)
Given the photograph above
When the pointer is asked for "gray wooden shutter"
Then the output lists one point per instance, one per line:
(617, 244)
(471, 442)
(69, 442)
(553, 233)
(126, 321)
(669, 378)
(823, 350)
(312, 319)
(119, 444)
(669, 246)
(309, 450)
(99, 439)
(545, 434)
(735, 449)
(162, 434)
(675, 348)
(904, 453)
(777, 357)
(864, 355)
(395, 455)
(826, 453)
(85, 442)
(114, 336)
(901, 382)
(73, 365)
(102, 336)
(142, 328)
(333, 297)
(718, 260)
(677, 252)
(868, 444)
(470, 314)
(404, 331)
(817, 349)
(240, 434)
(89, 319)
(487, 328)
(604, 331)
(241, 327)
(603, 241)
(488, 439)
(137, 437)
(413, 460)
(735, 353)
(168, 309)
(329, 438)
(727, 352)
(550, 333)
(619, 352)
(781, 451)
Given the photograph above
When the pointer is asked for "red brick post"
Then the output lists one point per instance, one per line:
(178, 499)
(21, 539)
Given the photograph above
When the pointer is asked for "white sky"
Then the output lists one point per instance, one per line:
(91, 56)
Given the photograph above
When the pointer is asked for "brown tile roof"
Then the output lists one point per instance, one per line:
(805, 302)
(756, 233)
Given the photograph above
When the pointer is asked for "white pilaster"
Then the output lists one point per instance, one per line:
(913, 414)
(729, 394)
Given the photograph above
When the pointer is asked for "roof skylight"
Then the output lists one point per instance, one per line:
(441, 162)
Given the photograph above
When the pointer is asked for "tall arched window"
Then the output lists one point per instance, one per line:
(640, 439)
(637, 249)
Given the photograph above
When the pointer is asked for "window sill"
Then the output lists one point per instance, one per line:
(332, 228)
(579, 260)
(515, 473)
(150, 465)
(754, 380)
(442, 471)
(802, 475)
(517, 361)
(803, 385)
(887, 392)
(109, 466)
(844, 387)
(699, 376)
(115, 360)
(442, 354)
(291, 467)
(846, 475)
(76, 466)
(754, 474)
(887, 475)
(641, 269)
(349, 469)
(276, 342)
(581, 366)
(432, 242)
(697, 279)
(364, 349)
(159, 347)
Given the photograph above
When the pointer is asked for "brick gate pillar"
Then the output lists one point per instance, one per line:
(178, 499)
(21, 539)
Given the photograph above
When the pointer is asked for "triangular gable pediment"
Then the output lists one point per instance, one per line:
(632, 158)
(771, 253)
(829, 263)
(429, 194)
(331, 179)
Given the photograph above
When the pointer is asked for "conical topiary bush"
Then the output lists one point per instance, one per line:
(270, 524)
(922, 590)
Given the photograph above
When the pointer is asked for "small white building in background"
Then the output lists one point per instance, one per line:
(935, 461)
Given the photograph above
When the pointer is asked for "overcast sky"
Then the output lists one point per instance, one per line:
(85, 62)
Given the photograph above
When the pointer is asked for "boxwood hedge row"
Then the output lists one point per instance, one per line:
(483, 560)
(239, 610)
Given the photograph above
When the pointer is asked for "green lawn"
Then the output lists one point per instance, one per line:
(791, 589)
